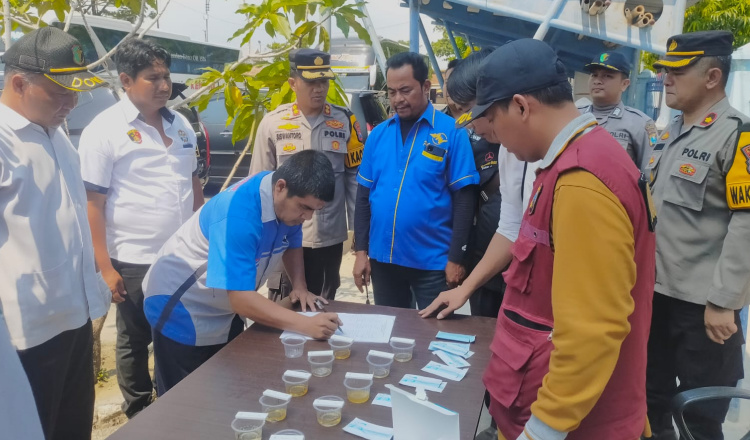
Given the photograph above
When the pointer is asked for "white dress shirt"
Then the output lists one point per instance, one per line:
(149, 186)
(48, 279)
(515, 190)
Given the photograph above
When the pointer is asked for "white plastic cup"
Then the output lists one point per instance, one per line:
(321, 362)
(380, 366)
(246, 429)
(288, 432)
(342, 347)
(328, 415)
(402, 349)
(296, 386)
(275, 408)
(294, 346)
(358, 388)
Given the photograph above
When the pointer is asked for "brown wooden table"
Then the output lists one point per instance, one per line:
(203, 405)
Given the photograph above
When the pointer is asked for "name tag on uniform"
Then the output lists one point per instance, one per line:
(433, 152)
(187, 145)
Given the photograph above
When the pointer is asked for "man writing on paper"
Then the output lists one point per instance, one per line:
(207, 274)
(583, 263)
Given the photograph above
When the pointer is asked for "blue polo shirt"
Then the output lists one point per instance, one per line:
(411, 185)
(232, 243)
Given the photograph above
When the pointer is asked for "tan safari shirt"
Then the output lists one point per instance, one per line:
(702, 247)
(337, 133)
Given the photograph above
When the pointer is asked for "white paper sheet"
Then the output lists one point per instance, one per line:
(375, 329)
(367, 430)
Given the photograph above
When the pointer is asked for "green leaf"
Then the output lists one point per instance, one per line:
(342, 24)
(270, 30)
(361, 31)
(280, 24)
(243, 121)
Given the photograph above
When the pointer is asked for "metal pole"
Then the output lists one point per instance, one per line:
(452, 39)
(470, 43)
(376, 46)
(157, 13)
(551, 12)
(431, 54)
(414, 24)
(207, 9)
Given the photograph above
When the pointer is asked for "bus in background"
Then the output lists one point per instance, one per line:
(188, 56)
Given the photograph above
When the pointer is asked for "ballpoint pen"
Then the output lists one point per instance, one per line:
(320, 306)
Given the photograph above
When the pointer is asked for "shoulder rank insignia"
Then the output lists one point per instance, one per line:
(439, 138)
(738, 177)
(295, 110)
(708, 120)
(135, 136)
(333, 123)
(327, 109)
(288, 126)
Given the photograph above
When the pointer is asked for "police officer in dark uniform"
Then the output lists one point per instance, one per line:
(631, 128)
(461, 87)
(701, 175)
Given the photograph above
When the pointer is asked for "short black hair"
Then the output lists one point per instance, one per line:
(135, 54)
(723, 63)
(553, 96)
(415, 60)
(308, 173)
(453, 63)
(462, 84)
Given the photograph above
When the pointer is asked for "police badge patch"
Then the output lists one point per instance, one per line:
(183, 136)
(135, 136)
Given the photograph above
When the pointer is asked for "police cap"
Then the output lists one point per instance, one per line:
(611, 61)
(516, 68)
(311, 64)
(685, 49)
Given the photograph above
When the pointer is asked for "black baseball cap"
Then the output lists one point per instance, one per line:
(610, 61)
(56, 55)
(519, 67)
(311, 64)
(685, 49)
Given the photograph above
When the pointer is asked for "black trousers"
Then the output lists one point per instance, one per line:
(678, 348)
(322, 267)
(486, 300)
(133, 337)
(61, 375)
(174, 361)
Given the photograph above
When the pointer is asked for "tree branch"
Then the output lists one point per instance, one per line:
(208, 87)
(69, 18)
(6, 23)
(155, 20)
(132, 32)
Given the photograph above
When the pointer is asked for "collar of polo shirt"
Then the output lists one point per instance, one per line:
(132, 113)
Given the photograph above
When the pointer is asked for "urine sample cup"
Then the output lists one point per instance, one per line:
(321, 362)
(296, 382)
(287, 434)
(358, 387)
(341, 346)
(274, 405)
(402, 349)
(294, 346)
(248, 425)
(328, 410)
(380, 363)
